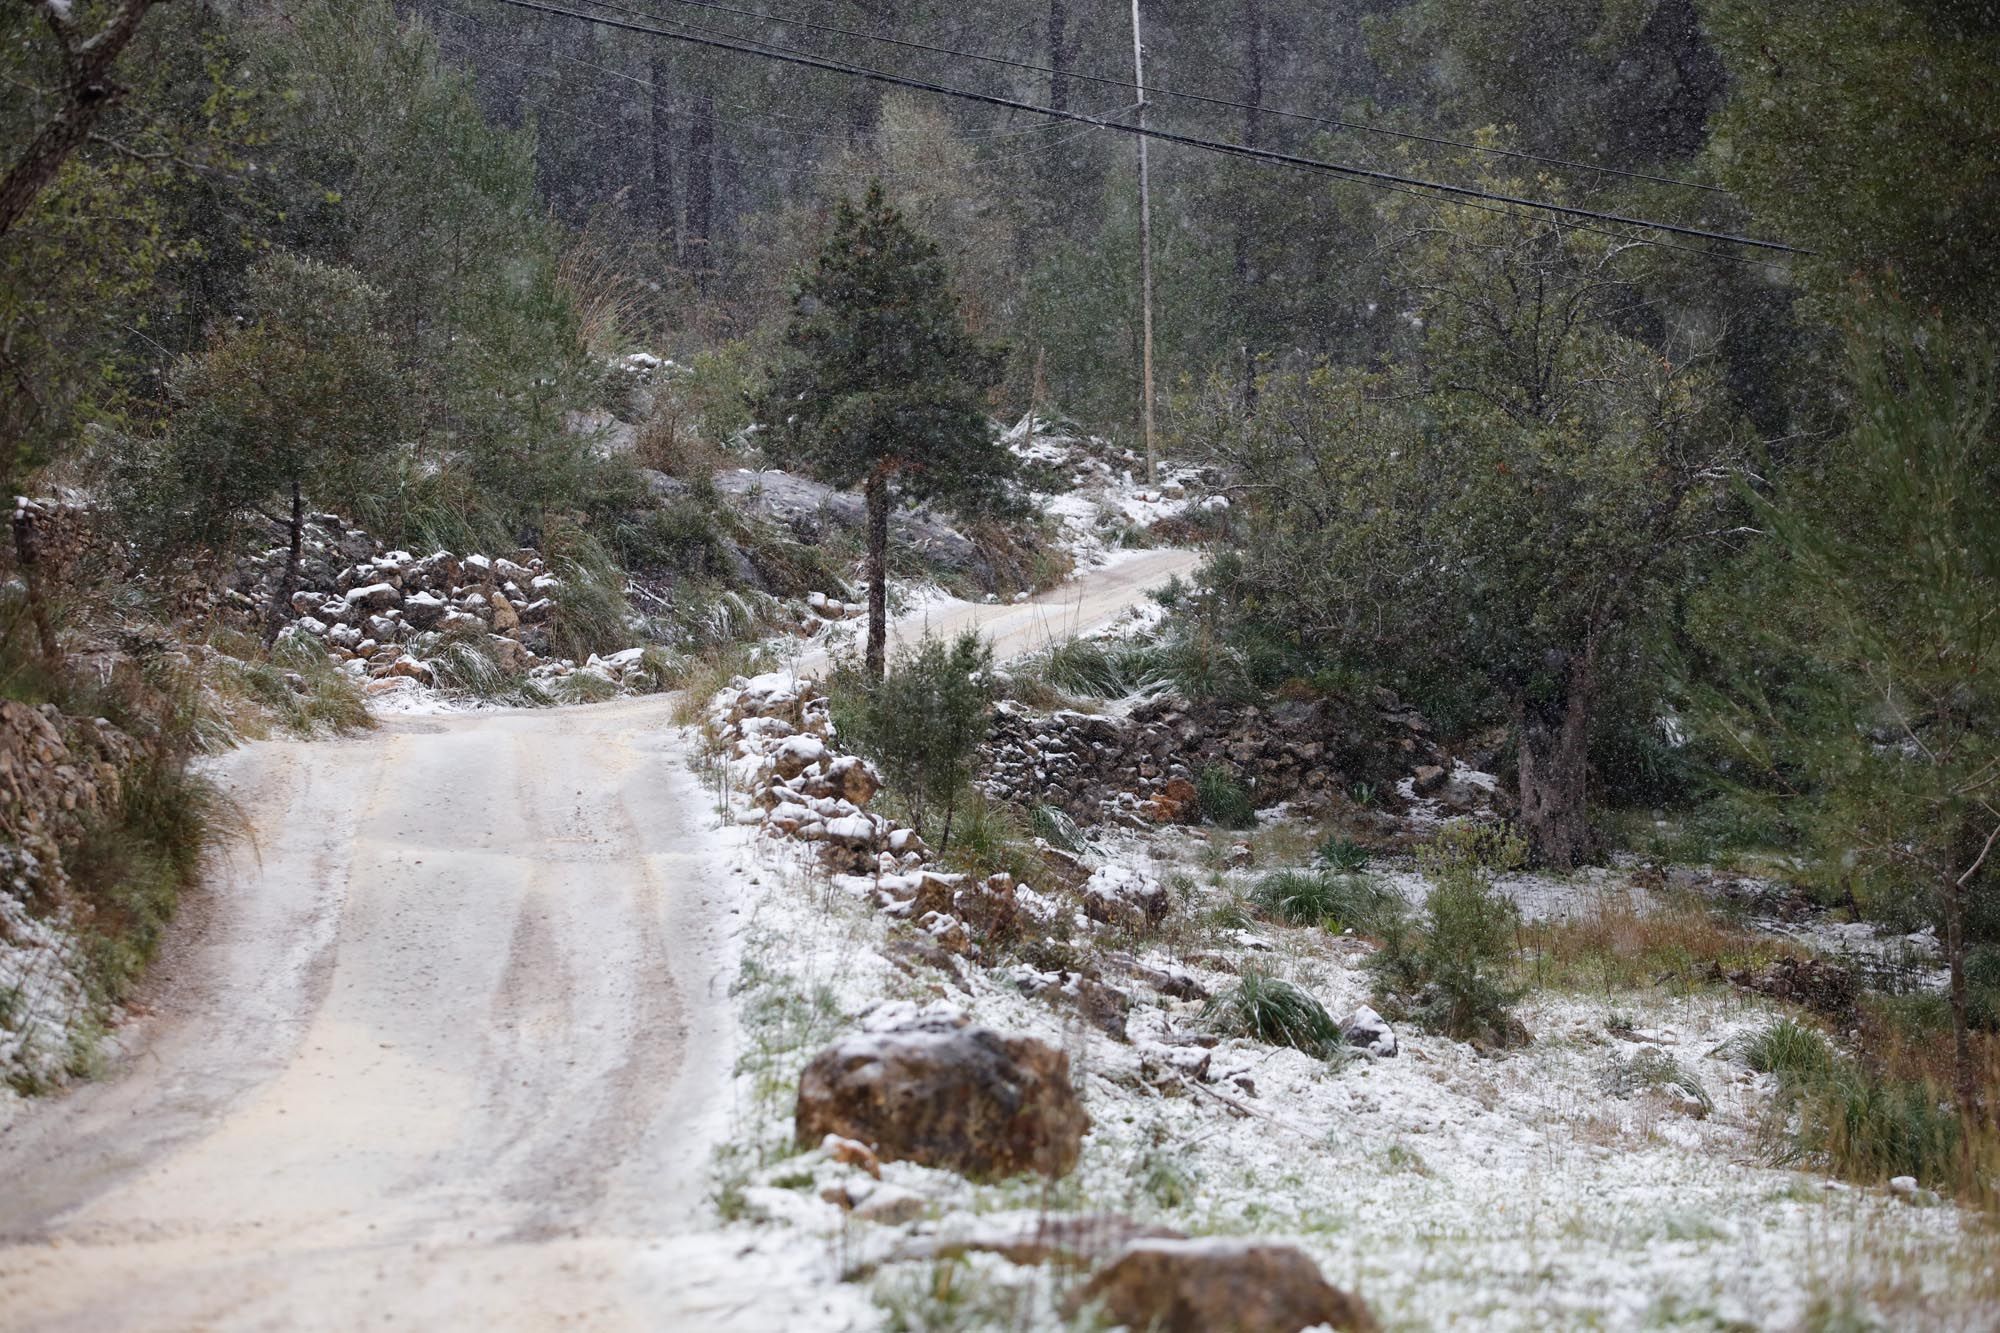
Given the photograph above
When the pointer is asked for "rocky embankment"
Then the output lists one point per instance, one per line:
(929, 1086)
(58, 776)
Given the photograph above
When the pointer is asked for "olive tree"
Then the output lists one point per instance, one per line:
(1533, 486)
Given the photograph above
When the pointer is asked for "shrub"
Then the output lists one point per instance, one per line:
(301, 687)
(1652, 1068)
(1277, 1012)
(590, 609)
(1222, 800)
(1308, 898)
(1857, 1120)
(1054, 826)
(1450, 972)
(1097, 669)
(1870, 1127)
(922, 725)
(987, 837)
(1789, 1049)
(1297, 897)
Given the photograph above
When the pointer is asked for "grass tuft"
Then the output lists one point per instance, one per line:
(1222, 800)
(1319, 898)
(1277, 1012)
(1652, 1068)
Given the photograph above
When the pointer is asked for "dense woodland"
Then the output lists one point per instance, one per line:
(1712, 532)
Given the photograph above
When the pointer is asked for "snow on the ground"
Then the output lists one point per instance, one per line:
(42, 992)
(1450, 1189)
(1109, 503)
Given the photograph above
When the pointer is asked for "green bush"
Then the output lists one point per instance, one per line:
(922, 725)
(1789, 1049)
(1096, 669)
(1341, 854)
(1838, 1113)
(1450, 971)
(987, 837)
(1296, 897)
(590, 609)
(1277, 1012)
(1222, 800)
(1871, 1127)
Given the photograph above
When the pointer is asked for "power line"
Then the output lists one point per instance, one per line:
(1332, 122)
(977, 141)
(761, 125)
(1387, 178)
(733, 158)
(570, 112)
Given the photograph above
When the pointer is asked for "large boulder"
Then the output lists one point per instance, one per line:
(944, 1093)
(1217, 1285)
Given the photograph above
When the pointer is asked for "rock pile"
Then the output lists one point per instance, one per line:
(778, 740)
(366, 603)
(1141, 768)
(374, 608)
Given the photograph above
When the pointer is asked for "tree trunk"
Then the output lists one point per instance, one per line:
(1554, 741)
(27, 555)
(666, 223)
(1059, 54)
(701, 189)
(877, 492)
(1966, 850)
(89, 94)
(281, 599)
(1253, 134)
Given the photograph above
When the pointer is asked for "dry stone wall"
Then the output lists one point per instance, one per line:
(1142, 767)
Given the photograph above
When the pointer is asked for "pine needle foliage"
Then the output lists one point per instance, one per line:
(880, 385)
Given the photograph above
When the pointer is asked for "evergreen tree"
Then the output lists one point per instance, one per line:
(1879, 697)
(881, 384)
(302, 397)
(1499, 524)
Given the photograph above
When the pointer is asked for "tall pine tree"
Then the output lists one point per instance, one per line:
(881, 384)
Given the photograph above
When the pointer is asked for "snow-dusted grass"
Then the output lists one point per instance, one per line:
(1547, 1188)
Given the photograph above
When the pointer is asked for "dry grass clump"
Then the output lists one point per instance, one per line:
(1619, 946)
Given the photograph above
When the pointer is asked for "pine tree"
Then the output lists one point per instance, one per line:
(1882, 704)
(881, 384)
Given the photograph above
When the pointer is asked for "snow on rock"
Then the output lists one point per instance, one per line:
(966, 1098)
(1370, 1032)
(1193, 1286)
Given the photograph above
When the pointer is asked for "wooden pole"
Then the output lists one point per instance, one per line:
(1145, 254)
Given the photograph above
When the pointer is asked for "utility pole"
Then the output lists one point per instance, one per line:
(1145, 252)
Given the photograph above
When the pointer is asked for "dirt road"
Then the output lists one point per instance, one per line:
(448, 1047)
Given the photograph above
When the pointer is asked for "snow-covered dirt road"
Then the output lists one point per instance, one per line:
(1016, 629)
(447, 1044)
